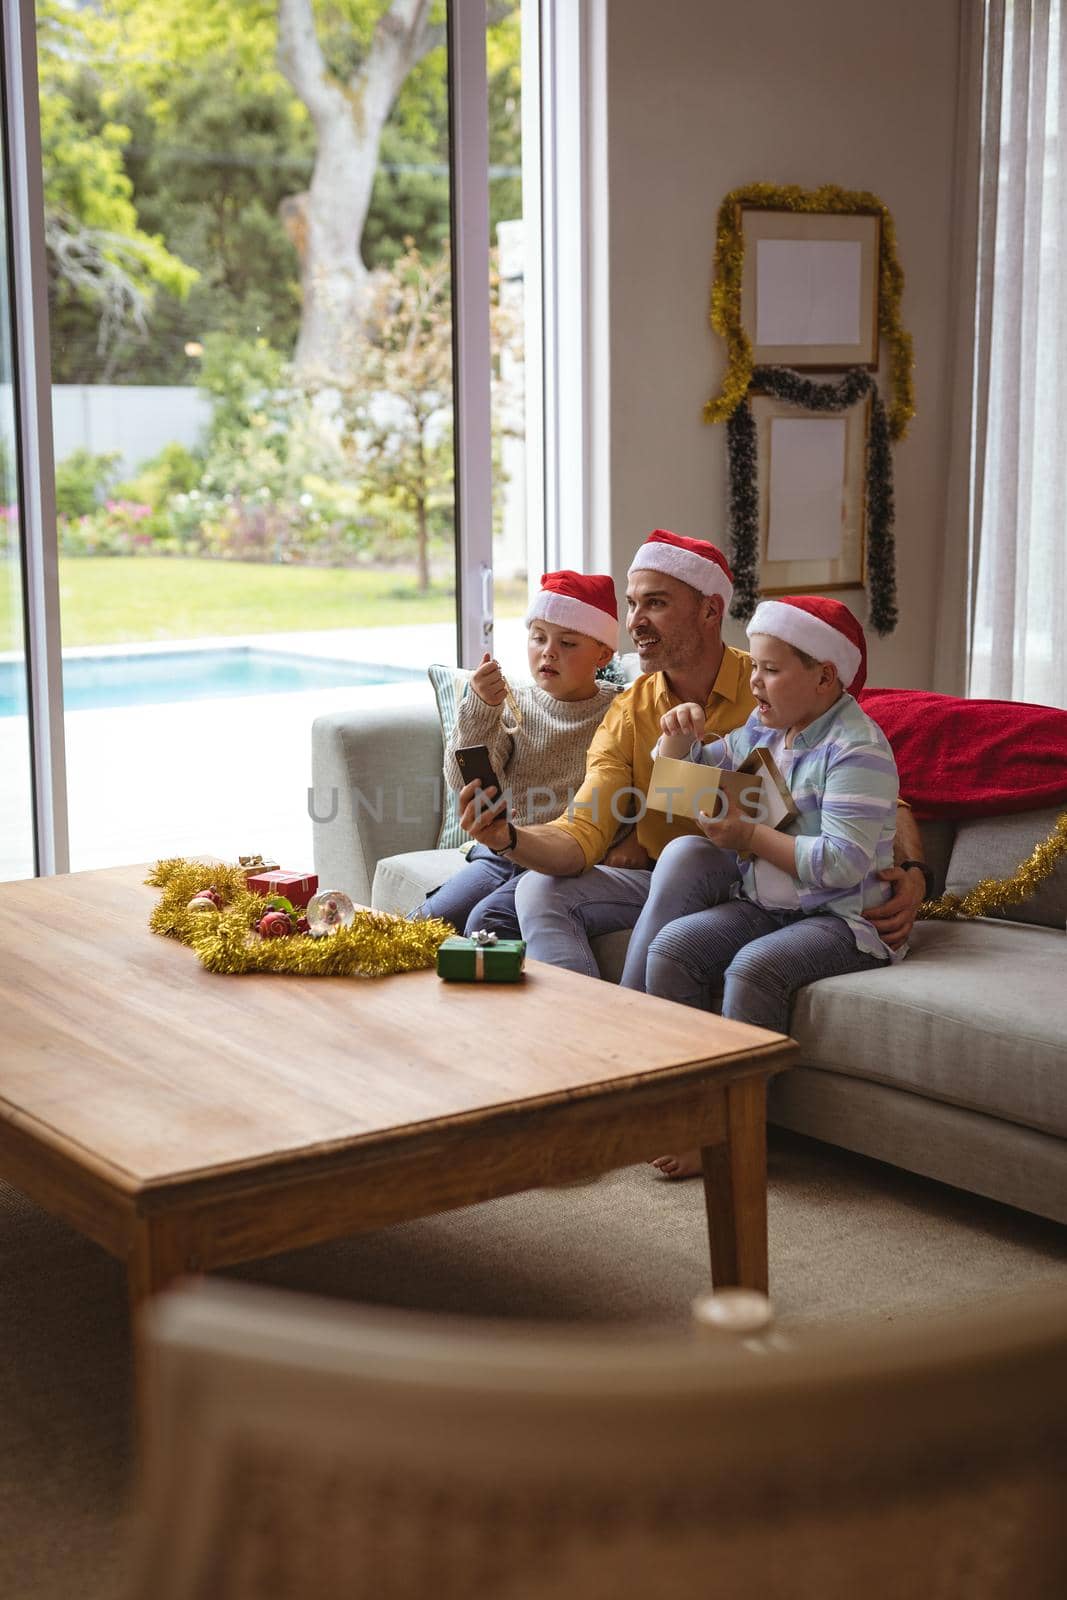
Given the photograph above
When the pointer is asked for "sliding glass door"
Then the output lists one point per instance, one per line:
(249, 227)
(16, 778)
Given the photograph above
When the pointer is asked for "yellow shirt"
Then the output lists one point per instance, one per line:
(618, 768)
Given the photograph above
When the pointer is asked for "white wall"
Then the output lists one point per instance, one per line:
(135, 419)
(704, 97)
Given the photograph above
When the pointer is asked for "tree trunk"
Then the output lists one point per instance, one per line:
(326, 224)
(422, 526)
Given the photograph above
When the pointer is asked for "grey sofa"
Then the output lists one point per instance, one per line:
(953, 1064)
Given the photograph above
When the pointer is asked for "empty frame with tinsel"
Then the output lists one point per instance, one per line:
(809, 288)
(811, 495)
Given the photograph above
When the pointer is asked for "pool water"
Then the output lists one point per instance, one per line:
(142, 678)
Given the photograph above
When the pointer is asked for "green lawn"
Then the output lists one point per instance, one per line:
(119, 599)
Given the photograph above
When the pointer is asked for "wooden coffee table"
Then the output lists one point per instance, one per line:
(186, 1121)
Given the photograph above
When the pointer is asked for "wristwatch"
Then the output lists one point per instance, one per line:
(513, 840)
(927, 873)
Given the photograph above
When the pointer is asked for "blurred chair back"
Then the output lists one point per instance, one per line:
(300, 1449)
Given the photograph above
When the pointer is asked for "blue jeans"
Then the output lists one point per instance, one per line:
(747, 962)
(479, 895)
(690, 875)
(559, 916)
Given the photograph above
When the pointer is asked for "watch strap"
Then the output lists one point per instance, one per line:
(513, 840)
(927, 873)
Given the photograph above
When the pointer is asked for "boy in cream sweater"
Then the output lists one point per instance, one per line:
(539, 755)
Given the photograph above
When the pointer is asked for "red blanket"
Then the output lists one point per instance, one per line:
(972, 758)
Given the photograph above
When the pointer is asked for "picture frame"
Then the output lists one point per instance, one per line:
(812, 488)
(809, 287)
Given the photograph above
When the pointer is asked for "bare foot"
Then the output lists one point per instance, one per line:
(687, 1165)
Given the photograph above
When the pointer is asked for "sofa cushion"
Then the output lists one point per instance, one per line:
(450, 684)
(973, 1017)
(402, 882)
(972, 758)
(995, 847)
(376, 789)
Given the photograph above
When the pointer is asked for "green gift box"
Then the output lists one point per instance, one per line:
(481, 961)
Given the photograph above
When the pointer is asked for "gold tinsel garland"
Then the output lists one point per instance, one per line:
(372, 946)
(996, 894)
(726, 291)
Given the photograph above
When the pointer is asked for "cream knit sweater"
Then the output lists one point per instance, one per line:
(546, 753)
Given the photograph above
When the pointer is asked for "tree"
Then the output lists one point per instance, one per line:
(99, 255)
(178, 110)
(211, 173)
(349, 108)
(407, 374)
(326, 222)
(405, 392)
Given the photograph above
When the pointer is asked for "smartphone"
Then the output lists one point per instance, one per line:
(474, 761)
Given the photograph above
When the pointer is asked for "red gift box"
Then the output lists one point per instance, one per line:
(297, 887)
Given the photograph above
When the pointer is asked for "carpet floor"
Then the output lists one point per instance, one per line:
(850, 1240)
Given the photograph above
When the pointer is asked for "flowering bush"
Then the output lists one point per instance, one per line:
(316, 527)
(118, 528)
(279, 477)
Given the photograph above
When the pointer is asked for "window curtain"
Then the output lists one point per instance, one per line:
(1016, 577)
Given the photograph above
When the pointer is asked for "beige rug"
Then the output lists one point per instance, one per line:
(850, 1240)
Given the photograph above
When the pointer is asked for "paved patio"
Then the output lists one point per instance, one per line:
(226, 776)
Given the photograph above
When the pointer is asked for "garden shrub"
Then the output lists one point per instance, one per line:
(83, 480)
(117, 528)
(175, 470)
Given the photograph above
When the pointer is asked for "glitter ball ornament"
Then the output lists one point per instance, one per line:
(329, 910)
(275, 925)
(205, 903)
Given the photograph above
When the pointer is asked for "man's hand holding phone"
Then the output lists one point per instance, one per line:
(482, 808)
(484, 816)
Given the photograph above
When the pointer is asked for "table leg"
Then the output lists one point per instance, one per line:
(157, 1258)
(735, 1188)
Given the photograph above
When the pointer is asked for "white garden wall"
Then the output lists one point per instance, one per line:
(137, 419)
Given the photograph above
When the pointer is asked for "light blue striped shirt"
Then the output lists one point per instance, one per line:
(844, 784)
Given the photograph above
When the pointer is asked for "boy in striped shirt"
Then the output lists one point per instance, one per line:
(796, 914)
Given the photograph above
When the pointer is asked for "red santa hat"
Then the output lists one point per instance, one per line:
(821, 628)
(694, 561)
(582, 601)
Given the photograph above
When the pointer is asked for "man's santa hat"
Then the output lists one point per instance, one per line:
(694, 561)
(582, 601)
(821, 628)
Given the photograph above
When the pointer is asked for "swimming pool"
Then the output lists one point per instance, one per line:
(145, 678)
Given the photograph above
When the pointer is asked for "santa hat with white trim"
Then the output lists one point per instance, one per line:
(695, 561)
(821, 628)
(582, 601)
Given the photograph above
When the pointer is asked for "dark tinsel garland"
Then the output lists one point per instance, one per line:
(783, 384)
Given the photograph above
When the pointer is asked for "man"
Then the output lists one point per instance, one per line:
(677, 594)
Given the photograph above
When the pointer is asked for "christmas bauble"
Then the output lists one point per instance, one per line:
(329, 909)
(275, 925)
(204, 902)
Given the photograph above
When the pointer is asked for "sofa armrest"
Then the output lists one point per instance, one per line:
(375, 790)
